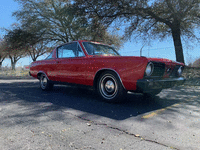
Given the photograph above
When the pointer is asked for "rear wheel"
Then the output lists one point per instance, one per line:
(45, 84)
(110, 88)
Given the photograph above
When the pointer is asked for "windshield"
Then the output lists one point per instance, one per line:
(99, 49)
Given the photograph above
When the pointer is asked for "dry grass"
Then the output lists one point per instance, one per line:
(192, 76)
(191, 72)
(14, 73)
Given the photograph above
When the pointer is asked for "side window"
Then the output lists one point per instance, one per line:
(70, 50)
(66, 51)
(50, 56)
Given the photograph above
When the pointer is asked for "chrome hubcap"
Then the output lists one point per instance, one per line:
(43, 82)
(108, 86)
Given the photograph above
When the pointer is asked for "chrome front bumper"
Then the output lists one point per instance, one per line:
(148, 85)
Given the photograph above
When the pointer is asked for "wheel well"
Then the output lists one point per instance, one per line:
(98, 75)
(38, 75)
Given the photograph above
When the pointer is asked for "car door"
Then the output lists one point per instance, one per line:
(70, 63)
(48, 66)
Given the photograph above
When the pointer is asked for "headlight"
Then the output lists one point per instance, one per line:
(180, 70)
(149, 69)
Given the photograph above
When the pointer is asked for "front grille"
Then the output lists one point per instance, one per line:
(158, 72)
(159, 69)
(174, 72)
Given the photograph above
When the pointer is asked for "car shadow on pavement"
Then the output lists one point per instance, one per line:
(85, 100)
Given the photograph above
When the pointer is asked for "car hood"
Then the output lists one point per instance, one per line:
(164, 60)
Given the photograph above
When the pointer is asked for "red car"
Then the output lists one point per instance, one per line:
(101, 66)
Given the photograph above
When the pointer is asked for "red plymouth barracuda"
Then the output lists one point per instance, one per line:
(99, 65)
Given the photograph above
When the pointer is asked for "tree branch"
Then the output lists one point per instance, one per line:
(156, 17)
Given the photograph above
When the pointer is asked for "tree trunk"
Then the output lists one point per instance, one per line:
(34, 59)
(13, 65)
(1, 65)
(176, 34)
(1, 62)
(13, 62)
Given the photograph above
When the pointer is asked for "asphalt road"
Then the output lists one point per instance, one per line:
(71, 118)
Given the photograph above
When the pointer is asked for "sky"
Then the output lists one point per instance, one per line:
(164, 49)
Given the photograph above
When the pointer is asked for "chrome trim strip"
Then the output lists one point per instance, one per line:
(111, 70)
(167, 80)
(43, 73)
(81, 49)
(85, 48)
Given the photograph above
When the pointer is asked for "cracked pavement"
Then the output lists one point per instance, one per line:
(73, 118)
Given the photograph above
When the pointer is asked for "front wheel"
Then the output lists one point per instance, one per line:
(45, 84)
(110, 88)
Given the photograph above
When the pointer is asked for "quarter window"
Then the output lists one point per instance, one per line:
(70, 50)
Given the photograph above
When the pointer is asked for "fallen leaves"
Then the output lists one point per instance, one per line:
(64, 130)
(88, 124)
(137, 135)
(71, 144)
